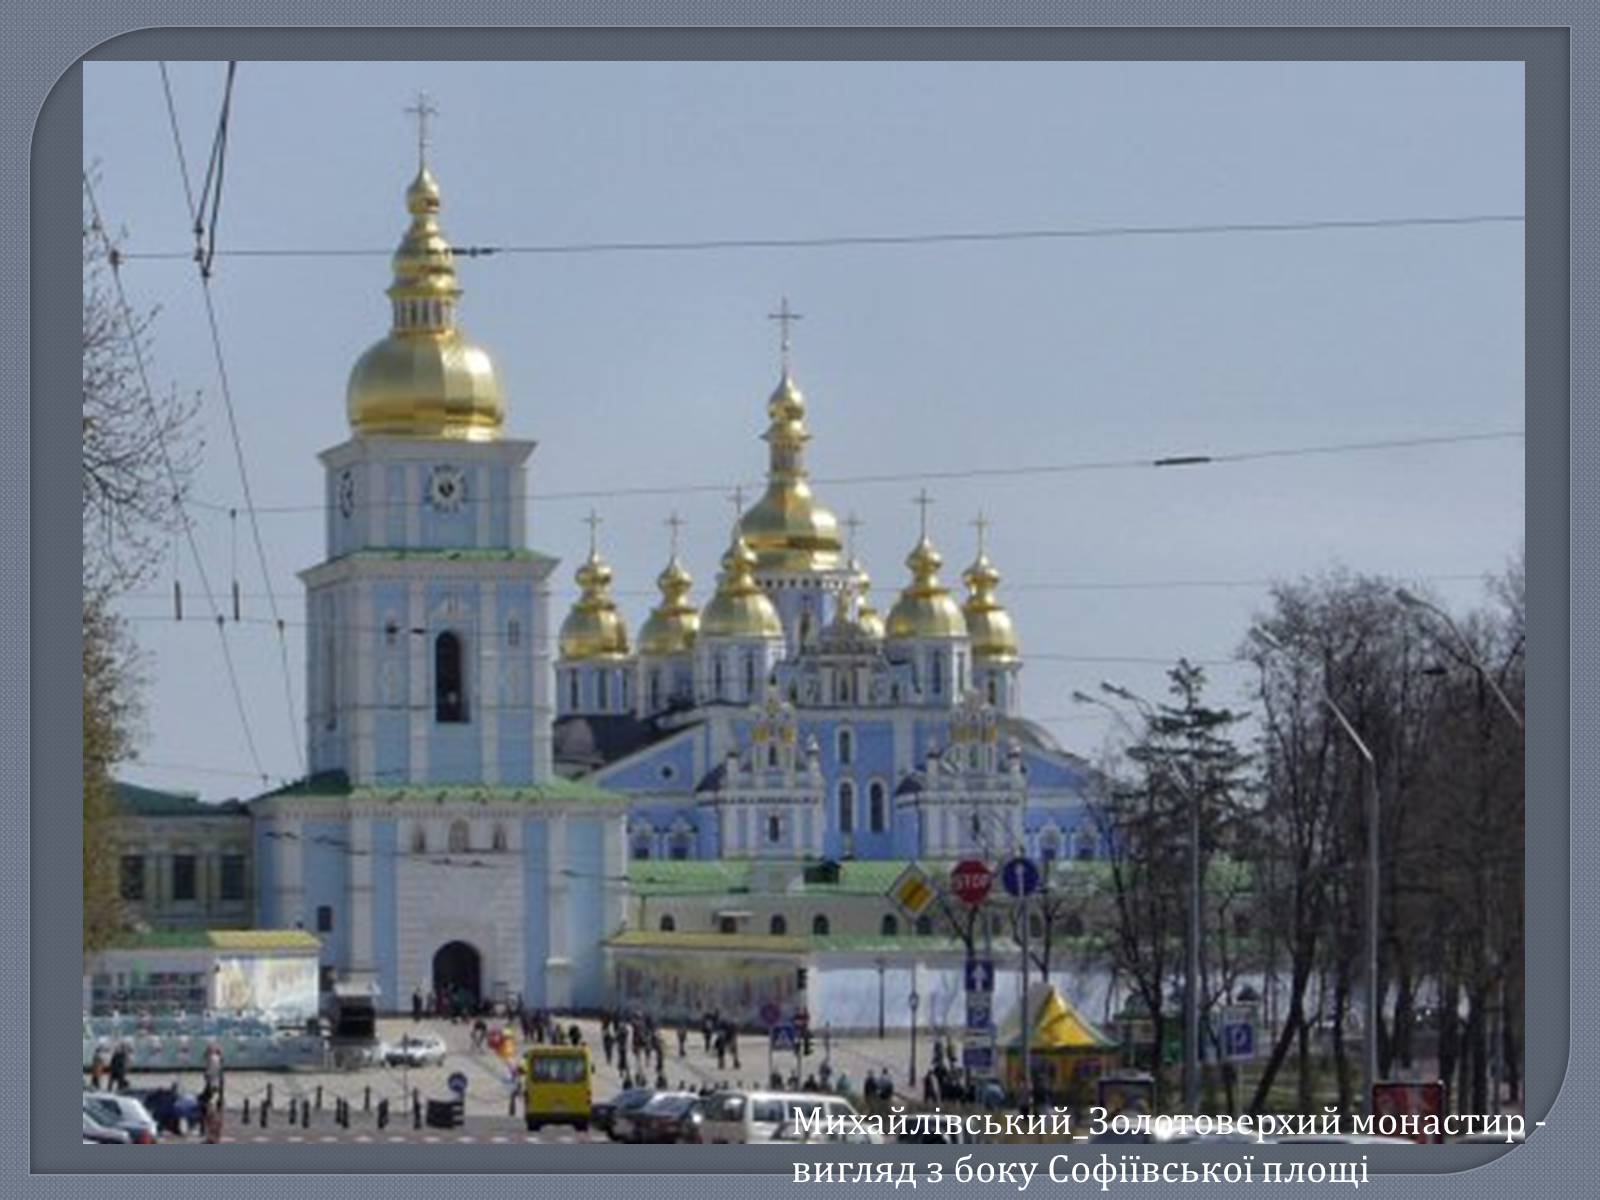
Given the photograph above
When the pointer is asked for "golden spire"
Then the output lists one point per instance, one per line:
(593, 628)
(740, 609)
(989, 626)
(786, 528)
(925, 609)
(672, 625)
(425, 379)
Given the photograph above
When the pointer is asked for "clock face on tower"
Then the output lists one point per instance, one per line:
(347, 493)
(447, 489)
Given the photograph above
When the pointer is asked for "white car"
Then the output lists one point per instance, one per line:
(790, 1131)
(741, 1117)
(426, 1050)
(109, 1110)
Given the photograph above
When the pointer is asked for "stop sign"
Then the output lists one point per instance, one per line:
(971, 880)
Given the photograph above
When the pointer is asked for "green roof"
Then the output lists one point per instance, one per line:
(138, 801)
(218, 939)
(683, 877)
(335, 785)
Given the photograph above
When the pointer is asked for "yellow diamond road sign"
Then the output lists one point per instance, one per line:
(913, 891)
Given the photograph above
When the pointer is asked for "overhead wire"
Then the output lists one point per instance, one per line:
(211, 194)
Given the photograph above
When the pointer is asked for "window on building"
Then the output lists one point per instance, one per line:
(232, 882)
(749, 675)
(976, 827)
(449, 681)
(819, 926)
(774, 829)
(847, 807)
(655, 691)
(847, 747)
(678, 846)
(877, 804)
(924, 926)
(936, 674)
(668, 924)
(727, 925)
(778, 927)
(513, 633)
(497, 839)
(131, 877)
(572, 691)
(419, 839)
(622, 690)
(641, 847)
(994, 696)
(460, 837)
(183, 877)
(772, 755)
(961, 674)
(324, 918)
(602, 690)
(889, 926)
(716, 677)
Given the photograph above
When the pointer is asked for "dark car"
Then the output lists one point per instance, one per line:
(625, 1117)
(174, 1110)
(603, 1115)
(669, 1117)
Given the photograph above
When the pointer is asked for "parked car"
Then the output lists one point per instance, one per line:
(96, 1134)
(412, 1050)
(790, 1131)
(669, 1117)
(117, 1111)
(603, 1113)
(174, 1110)
(739, 1116)
(625, 1113)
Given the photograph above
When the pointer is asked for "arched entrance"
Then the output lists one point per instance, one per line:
(457, 975)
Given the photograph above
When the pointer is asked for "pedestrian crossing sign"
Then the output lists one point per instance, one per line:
(913, 891)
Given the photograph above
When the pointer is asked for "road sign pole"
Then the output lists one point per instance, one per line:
(1026, 1096)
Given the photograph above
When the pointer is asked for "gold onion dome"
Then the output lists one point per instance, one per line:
(867, 617)
(925, 609)
(425, 379)
(740, 609)
(787, 528)
(594, 628)
(989, 625)
(671, 626)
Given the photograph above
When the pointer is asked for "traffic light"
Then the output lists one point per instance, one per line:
(800, 979)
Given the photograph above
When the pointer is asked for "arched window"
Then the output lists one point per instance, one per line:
(819, 926)
(716, 677)
(655, 691)
(774, 829)
(572, 691)
(459, 837)
(641, 844)
(678, 845)
(749, 675)
(805, 629)
(993, 692)
(513, 633)
(877, 818)
(449, 681)
(847, 807)
(847, 747)
(936, 674)
(419, 839)
(924, 926)
(976, 827)
(668, 925)
(602, 690)
(778, 927)
(772, 755)
(890, 926)
(497, 839)
(622, 689)
(961, 674)
(1050, 846)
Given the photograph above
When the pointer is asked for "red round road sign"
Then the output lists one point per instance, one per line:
(971, 880)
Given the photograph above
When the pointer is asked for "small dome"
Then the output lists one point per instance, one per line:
(989, 625)
(925, 609)
(593, 628)
(870, 620)
(425, 379)
(740, 609)
(672, 625)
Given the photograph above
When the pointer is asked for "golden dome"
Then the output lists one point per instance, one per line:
(593, 628)
(425, 379)
(925, 609)
(787, 528)
(740, 609)
(867, 617)
(989, 625)
(671, 626)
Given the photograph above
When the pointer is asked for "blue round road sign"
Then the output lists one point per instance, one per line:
(457, 1083)
(1020, 877)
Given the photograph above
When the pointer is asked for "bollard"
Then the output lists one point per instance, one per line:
(245, 1114)
(305, 1114)
(383, 1114)
(319, 1097)
(269, 1095)
(265, 1108)
(511, 1108)
(294, 1111)
(416, 1116)
(366, 1099)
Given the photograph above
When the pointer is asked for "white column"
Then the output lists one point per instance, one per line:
(421, 646)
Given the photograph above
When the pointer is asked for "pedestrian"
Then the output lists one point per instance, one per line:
(119, 1067)
(213, 1071)
(606, 1042)
(97, 1069)
(416, 1006)
(722, 1050)
(575, 1035)
(930, 1088)
(705, 1030)
(938, 1054)
(683, 1039)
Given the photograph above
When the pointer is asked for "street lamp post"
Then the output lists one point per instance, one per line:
(1415, 602)
(1191, 985)
(914, 1001)
(1370, 1058)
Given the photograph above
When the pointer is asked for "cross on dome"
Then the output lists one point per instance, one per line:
(982, 526)
(593, 521)
(922, 500)
(675, 523)
(422, 110)
(785, 316)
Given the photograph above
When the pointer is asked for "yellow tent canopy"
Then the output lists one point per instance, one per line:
(1055, 1024)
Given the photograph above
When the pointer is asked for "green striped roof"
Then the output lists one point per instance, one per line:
(237, 940)
(334, 785)
(137, 801)
(686, 877)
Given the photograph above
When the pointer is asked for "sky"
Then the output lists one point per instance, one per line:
(646, 369)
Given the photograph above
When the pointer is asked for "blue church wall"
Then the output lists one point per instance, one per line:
(325, 861)
(1046, 772)
(455, 751)
(398, 505)
(499, 509)
(450, 530)
(585, 859)
(535, 885)
(515, 746)
(385, 936)
(668, 765)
